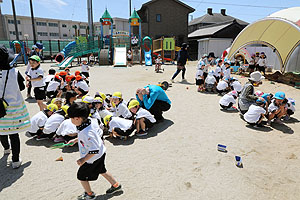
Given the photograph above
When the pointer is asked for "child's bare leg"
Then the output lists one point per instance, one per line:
(137, 125)
(86, 186)
(142, 124)
(271, 116)
(109, 178)
(115, 133)
(41, 105)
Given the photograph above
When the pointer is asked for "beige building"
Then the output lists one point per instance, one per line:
(53, 29)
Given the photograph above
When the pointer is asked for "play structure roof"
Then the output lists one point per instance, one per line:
(280, 31)
(135, 15)
(106, 15)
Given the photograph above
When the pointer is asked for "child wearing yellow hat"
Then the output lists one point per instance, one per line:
(120, 109)
(144, 120)
(119, 127)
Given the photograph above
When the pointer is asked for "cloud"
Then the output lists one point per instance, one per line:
(53, 3)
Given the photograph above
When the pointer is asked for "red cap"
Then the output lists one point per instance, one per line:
(77, 73)
(78, 77)
(57, 77)
(68, 78)
(62, 73)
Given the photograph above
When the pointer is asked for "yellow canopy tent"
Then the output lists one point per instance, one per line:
(280, 31)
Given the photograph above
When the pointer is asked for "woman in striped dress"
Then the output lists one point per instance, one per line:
(17, 118)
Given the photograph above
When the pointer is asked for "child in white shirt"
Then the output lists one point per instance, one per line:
(39, 120)
(80, 86)
(54, 87)
(85, 68)
(256, 113)
(158, 62)
(222, 87)
(92, 151)
(210, 82)
(49, 77)
(144, 120)
(218, 72)
(227, 71)
(200, 76)
(227, 101)
(119, 127)
(290, 106)
(120, 109)
(236, 85)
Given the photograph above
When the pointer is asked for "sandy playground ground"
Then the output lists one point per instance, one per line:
(178, 159)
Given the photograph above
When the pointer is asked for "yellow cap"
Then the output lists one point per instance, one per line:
(53, 100)
(5, 104)
(102, 95)
(88, 99)
(133, 103)
(107, 119)
(98, 100)
(52, 107)
(65, 109)
(117, 95)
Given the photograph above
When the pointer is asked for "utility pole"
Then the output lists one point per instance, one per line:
(90, 17)
(32, 21)
(129, 8)
(15, 19)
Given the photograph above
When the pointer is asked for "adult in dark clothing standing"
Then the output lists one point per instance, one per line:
(183, 55)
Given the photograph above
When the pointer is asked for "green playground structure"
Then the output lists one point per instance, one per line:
(83, 46)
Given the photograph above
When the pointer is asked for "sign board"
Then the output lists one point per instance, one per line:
(106, 21)
(135, 22)
(120, 56)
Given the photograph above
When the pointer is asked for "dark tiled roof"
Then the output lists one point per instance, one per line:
(215, 18)
(177, 1)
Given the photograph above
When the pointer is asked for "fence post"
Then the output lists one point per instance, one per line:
(50, 49)
(58, 43)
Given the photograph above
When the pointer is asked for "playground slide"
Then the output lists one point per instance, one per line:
(65, 52)
(15, 59)
(66, 62)
(148, 59)
(104, 57)
(120, 56)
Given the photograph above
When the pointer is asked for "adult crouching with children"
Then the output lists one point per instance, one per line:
(154, 99)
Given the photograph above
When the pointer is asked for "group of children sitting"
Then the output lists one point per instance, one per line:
(114, 115)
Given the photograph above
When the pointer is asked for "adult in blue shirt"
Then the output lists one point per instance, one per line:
(154, 99)
(183, 55)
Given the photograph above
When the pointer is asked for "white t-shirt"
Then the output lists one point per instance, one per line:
(199, 74)
(48, 78)
(83, 85)
(223, 67)
(35, 74)
(122, 111)
(143, 113)
(95, 114)
(158, 60)
(218, 71)
(53, 86)
(272, 107)
(237, 86)
(38, 121)
(66, 128)
(210, 79)
(226, 100)
(117, 122)
(227, 73)
(290, 106)
(254, 113)
(84, 68)
(53, 123)
(89, 141)
(104, 112)
(222, 85)
(262, 62)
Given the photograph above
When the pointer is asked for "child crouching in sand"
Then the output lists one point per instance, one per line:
(92, 151)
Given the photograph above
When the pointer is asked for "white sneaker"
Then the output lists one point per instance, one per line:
(183, 80)
(172, 80)
(6, 151)
(16, 165)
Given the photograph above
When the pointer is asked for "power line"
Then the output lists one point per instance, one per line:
(231, 4)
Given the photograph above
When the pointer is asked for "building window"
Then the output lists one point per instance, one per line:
(14, 33)
(158, 17)
(42, 33)
(65, 35)
(64, 25)
(54, 34)
(82, 27)
(11, 21)
(114, 27)
(41, 23)
(82, 35)
(53, 24)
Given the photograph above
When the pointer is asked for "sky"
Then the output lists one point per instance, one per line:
(76, 10)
